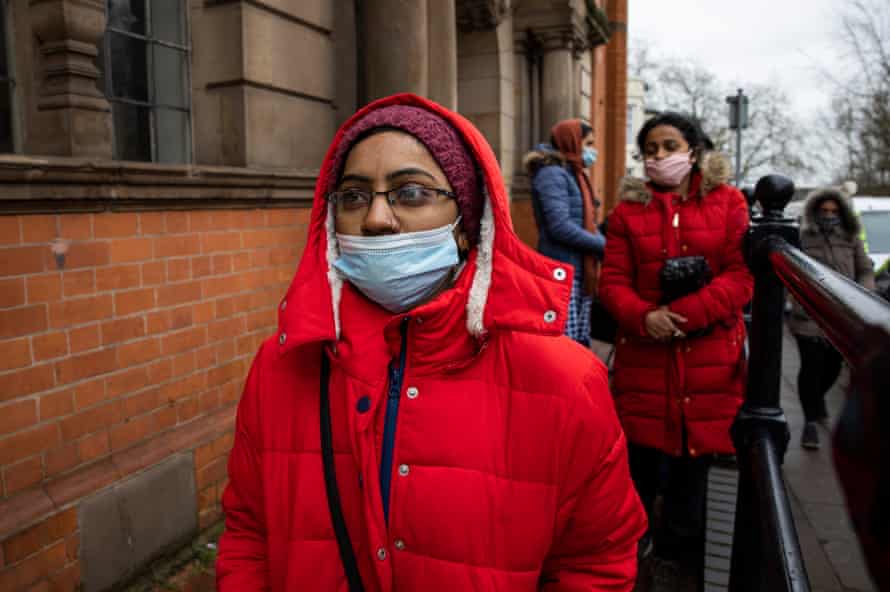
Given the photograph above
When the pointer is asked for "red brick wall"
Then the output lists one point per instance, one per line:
(145, 329)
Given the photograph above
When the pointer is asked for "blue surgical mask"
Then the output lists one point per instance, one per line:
(399, 271)
(588, 156)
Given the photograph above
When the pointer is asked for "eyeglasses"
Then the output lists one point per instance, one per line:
(354, 201)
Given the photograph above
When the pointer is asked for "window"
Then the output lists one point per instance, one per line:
(7, 88)
(145, 77)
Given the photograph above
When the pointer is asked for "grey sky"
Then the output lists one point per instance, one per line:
(779, 42)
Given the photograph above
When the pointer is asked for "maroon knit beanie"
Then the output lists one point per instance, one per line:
(440, 139)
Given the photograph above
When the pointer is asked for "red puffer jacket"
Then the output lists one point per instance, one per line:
(696, 383)
(508, 468)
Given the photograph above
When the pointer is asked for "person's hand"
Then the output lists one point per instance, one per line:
(663, 325)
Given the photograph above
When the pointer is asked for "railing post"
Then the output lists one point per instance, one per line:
(760, 431)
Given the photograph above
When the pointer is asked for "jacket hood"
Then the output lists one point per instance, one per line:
(714, 168)
(849, 220)
(508, 286)
(543, 155)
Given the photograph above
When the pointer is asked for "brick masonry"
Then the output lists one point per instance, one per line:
(125, 338)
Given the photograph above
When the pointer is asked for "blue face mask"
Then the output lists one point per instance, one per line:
(588, 156)
(399, 271)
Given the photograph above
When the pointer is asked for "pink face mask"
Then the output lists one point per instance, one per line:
(669, 171)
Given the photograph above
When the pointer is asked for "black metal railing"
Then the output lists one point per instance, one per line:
(766, 551)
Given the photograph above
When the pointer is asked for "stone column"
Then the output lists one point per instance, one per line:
(557, 86)
(442, 31)
(395, 48)
(76, 117)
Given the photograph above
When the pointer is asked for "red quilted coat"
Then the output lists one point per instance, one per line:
(696, 383)
(508, 466)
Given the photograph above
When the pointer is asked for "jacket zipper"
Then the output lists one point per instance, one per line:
(396, 376)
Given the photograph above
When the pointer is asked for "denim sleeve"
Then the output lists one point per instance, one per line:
(552, 187)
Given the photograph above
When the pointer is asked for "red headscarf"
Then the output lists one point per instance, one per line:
(567, 139)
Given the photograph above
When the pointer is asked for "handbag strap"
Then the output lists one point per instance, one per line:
(347, 554)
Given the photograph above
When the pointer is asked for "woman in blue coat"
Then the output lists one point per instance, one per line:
(565, 211)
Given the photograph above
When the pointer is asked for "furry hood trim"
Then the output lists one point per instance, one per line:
(543, 155)
(849, 221)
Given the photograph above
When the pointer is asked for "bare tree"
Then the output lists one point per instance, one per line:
(861, 104)
(774, 141)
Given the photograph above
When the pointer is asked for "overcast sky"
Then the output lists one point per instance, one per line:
(780, 42)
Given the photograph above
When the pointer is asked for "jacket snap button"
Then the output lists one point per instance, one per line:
(549, 316)
(686, 399)
(283, 304)
(404, 470)
(692, 451)
(363, 404)
(400, 544)
(412, 392)
(559, 273)
(282, 338)
(684, 247)
(381, 553)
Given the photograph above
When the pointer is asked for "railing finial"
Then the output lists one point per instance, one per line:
(773, 192)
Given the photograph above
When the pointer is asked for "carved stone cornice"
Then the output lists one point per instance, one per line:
(480, 15)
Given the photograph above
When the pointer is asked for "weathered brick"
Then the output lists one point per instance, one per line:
(49, 345)
(110, 225)
(201, 266)
(179, 269)
(22, 321)
(28, 443)
(181, 317)
(160, 371)
(78, 283)
(226, 328)
(200, 221)
(27, 381)
(17, 415)
(174, 294)
(61, 459)
(185, 340)
(56, 405)
(285, 218)
(240, 262)
(215, 287)
(208, 401)
(126, 250)
(72, 547)
(184, 364)
(125, 329)
(76, 226)
(153, 273)
(87, 394)
(44, 288)
(20, 576)
(187, 409)
(92, 420)
(39, 229)
(66, 580)
(12, 292)
(138, 404)
(86, 365)
(225, 350)
(10, 231)
(212, 473)
(126, 381)
(23, 475)
(16, 353)
(132, 431)
(94, 446)
(176, 222)
(139, 352)
(118, 277)
(133, 301)
(80, 310)
(177, 246)
(84, 338)
(261, 319)
(87, 254)
(205, 357)
(213, 242)
(222, 264)
(151, 223)
(181, 388)
(230, 393)
(165, 418)
(202, 312)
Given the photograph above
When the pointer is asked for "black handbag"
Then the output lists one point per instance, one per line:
(681, 276)
(603, 326)
(344, 544)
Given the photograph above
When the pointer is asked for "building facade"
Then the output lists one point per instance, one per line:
(636, 117)
(157, 163)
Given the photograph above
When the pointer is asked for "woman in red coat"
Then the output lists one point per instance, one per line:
(419, 391)
(679, 364)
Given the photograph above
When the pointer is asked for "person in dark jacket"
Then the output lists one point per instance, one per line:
(830, 234)
(565, 211)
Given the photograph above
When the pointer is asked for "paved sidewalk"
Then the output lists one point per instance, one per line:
(831, 552)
